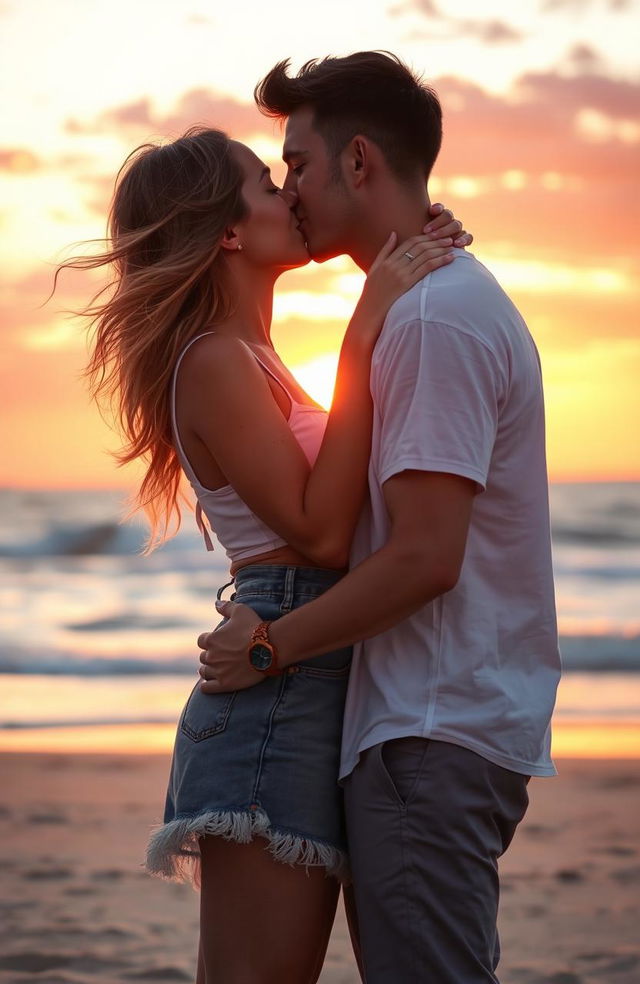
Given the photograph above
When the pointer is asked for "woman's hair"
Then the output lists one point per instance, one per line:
(370, 93)
(169, 212)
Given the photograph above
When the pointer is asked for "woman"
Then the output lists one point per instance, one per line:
(199, 234)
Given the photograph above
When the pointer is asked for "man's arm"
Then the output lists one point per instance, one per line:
(429, 514)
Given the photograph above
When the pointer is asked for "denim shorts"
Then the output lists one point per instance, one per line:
(263, 761)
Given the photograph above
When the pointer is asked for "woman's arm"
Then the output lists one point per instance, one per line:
(235, 415)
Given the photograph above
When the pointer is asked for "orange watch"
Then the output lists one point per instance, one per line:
(263, 655)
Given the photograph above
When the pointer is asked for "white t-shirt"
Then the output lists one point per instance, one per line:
(457, 388)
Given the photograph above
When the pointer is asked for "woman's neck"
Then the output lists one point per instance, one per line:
(252, 314)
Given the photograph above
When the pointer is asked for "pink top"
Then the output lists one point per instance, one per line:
(239, 530)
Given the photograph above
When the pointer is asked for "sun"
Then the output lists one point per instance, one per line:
(318, 377)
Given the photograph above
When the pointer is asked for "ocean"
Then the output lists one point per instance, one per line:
(93, 633)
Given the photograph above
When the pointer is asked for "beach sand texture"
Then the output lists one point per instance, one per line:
(77, 908)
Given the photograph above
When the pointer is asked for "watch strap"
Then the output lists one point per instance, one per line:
(260, 637)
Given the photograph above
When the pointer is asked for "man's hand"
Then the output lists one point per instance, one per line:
(224, 656)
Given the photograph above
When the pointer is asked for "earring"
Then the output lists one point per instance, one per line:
(239, 245)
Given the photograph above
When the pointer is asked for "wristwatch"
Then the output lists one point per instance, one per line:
(263, 655)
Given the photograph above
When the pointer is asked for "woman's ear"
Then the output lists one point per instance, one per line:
(230, 241)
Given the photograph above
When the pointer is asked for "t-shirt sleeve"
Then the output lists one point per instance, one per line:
(437, 390)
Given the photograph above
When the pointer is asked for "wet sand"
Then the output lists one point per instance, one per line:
(77, 908)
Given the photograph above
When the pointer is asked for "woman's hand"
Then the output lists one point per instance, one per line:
(442, 224)
(394, 270)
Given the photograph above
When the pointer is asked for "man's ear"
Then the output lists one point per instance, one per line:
(358, 161)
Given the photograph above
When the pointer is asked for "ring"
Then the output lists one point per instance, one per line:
(410, 256)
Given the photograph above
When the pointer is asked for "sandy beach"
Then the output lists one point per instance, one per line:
(77, 908)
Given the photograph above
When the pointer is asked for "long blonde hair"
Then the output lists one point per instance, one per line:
(169, 212)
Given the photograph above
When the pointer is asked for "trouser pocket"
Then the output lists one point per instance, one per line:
(402, 759)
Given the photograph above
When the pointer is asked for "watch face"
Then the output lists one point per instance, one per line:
(261, 657)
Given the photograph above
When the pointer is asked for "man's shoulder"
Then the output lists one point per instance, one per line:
(463, 295)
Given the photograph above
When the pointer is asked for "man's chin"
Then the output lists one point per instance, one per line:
(319, 254)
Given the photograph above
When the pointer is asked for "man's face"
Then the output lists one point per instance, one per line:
(323, 208)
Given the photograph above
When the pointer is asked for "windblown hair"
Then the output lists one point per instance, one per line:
(370, 93)
(169, 212)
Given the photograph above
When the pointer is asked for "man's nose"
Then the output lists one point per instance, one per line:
(290, 196)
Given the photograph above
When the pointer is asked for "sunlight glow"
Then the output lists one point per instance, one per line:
(532, 275)
(599, 128)
(514, 180)
(571, 739)
(465, 186)
(318, 378)
(311, 306)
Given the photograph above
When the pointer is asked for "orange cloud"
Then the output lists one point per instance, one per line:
(19, 161)
(574, 195)
(491, 31)
(579, 6)
(196, 106)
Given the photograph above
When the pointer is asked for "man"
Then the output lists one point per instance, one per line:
(451, 694)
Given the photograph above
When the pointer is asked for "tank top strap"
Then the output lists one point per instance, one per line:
(203, 529)
(281, 383)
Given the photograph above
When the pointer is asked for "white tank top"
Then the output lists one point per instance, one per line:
(239, 530)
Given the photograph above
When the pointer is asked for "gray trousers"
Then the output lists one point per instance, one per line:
(427, 822)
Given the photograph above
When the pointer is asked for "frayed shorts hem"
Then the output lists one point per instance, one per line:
(174, 853)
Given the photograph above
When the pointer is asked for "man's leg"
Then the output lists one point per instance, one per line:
(427, 822)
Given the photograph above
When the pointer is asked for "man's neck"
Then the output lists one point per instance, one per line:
(402, 211)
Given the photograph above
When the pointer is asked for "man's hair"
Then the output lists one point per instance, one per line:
(370, 93)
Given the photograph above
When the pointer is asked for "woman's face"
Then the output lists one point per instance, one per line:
(269, 234)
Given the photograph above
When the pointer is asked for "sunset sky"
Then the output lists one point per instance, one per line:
(541, 160)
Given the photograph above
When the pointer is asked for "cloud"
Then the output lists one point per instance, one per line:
(139, 121)
(535, 128)
(550, 167)
(204, 106)
(199, 19)
(578, 6)
(425, 7)
(486, 31)
(490, 32)
(617, 98)
(584, 58)
(18, 160)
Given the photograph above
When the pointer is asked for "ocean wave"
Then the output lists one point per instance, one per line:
(88, 523)
(613, 535)
(12, 725)
(600, 654)
(53, 662)
(580, 653)
(129, 621)
(112, 539)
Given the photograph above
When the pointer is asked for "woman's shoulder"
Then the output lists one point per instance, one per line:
(217, 356)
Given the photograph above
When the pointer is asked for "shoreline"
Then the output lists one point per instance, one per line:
(582, 739)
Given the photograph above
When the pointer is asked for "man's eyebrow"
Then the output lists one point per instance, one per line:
(288, 154)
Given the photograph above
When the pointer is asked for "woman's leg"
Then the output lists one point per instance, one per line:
(261, 920)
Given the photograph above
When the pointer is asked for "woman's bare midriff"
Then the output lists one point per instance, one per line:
(281, 555)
